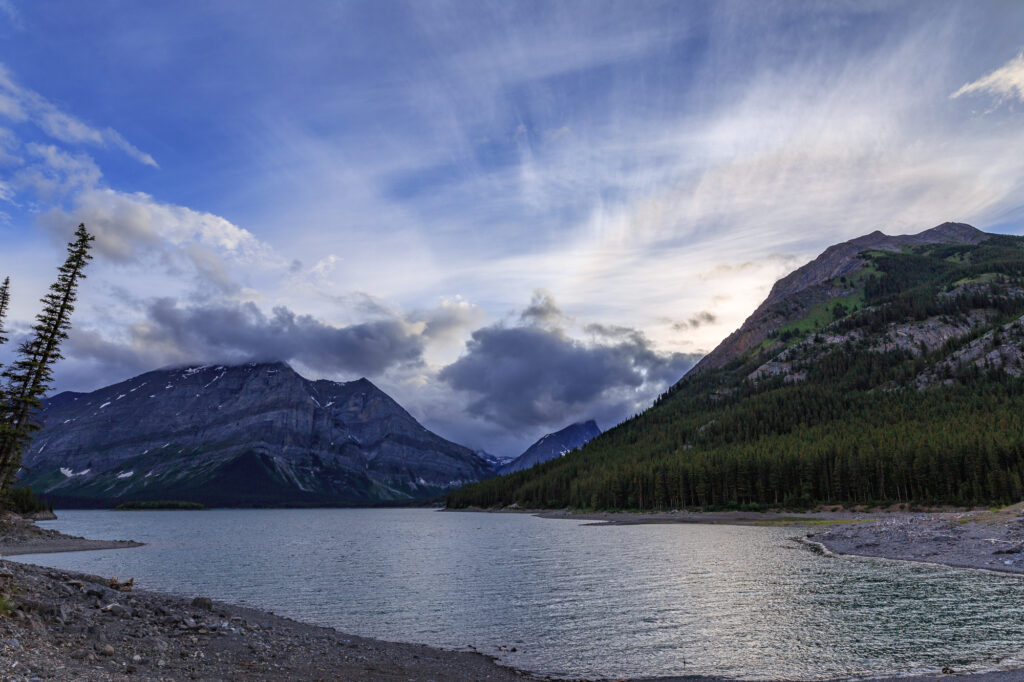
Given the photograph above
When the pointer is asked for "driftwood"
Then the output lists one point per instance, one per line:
(122, 585)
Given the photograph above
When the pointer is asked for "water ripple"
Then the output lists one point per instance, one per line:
(574, 600)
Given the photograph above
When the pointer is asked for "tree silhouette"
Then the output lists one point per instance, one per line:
(29, 376)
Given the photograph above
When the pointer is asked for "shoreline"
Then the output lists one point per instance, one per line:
(731, 518)
(978, 539)
(21, 535)
(72, 626)
(68, 626)
(69, 544)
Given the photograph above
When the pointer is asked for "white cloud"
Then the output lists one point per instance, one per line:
(165, 249)
(1006, 82)
(20, 104)
(57, 172)
(127, 224)
(325, 266)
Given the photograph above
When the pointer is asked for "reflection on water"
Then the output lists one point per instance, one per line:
(574, 600)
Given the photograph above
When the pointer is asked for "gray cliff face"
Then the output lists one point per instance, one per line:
(794, 294)
(553, 445)
(249, 435)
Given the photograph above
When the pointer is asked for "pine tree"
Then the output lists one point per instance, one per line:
(5, 299)
(29, 376)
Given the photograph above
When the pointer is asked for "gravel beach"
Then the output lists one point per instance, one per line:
(68, 626)
(990, 540)
(21, 535)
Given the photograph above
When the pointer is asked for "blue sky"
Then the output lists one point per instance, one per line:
(509, 215)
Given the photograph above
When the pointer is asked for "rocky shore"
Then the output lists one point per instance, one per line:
(20, 535)
(982, 539)
(991, 540)
(64, 626)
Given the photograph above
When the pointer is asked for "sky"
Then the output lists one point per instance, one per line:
(508, 215)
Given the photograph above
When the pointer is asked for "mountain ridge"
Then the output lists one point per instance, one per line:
(553, 445)
(247, 435)
(838, 260)
(885, 371)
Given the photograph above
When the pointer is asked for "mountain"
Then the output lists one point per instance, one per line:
(553, 445)
(493, 461)
(826, 278)
(248, 435)
(887, 370)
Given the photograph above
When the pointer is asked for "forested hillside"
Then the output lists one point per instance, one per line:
(902, 384)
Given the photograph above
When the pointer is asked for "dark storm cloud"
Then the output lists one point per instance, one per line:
(242, 331)
(542, 310)
(530, 375)
(172, 334)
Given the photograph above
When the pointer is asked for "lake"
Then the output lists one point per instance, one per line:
(573, 599)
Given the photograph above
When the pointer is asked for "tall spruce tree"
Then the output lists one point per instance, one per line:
(5, 300)
(29, 376)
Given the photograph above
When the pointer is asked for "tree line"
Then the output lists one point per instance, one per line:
(961, 445)
(27, 379)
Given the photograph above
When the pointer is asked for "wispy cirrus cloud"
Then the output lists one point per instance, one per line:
(1006, 82)
(20, 104)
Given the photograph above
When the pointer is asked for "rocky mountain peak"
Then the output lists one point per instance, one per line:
(554, 445)
(955, 233)
(252, 434)
(793, 295)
